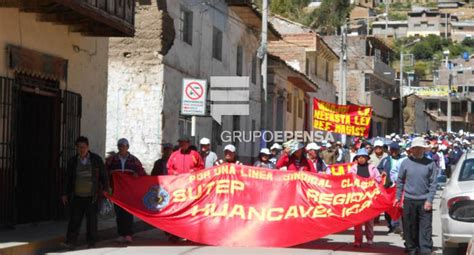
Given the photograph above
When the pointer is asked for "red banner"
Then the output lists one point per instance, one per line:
(340, 169)
(234, 205)
(353, 120)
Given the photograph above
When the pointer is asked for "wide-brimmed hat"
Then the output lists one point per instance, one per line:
(419, 142)
(265, 151)
(296, 146)
(362, 153)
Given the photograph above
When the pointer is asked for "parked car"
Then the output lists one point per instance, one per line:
(457, 206)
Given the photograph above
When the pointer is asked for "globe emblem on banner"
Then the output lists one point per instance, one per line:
(156, 198)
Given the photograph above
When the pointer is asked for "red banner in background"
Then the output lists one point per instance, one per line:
(353, 120)
(340, 169)
(235, 205)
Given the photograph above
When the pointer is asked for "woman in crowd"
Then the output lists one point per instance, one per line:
(293, 158)
(365, 170)
(264, 159)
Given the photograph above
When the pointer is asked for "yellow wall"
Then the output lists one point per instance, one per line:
(87, 72)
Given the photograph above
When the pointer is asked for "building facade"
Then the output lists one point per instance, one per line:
(423, 22)
(175, 40)
(370, 79)
(53, 83)
(393, 29)
(461, 30)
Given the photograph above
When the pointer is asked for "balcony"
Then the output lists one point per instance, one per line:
(107, 18)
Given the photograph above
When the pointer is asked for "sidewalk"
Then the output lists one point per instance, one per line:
(47, 236)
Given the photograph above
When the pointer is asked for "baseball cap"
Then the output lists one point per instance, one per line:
(394, 146)
(205, 141)
(229, 147)
(276, 146)
(265, 151)
(122, 141)
(312, 146)
(378, 143)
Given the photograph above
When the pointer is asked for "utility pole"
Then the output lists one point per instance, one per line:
(401, 92)
(446, 26)
(342, 100)
(450, 78)
(263, 55)
(386, 18)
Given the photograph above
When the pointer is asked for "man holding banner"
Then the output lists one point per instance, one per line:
(313, 150)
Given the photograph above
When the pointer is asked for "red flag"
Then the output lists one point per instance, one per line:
(234, 205)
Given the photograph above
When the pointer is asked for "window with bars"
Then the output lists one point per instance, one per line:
(217, 44)
(186, 26)
(240, 55)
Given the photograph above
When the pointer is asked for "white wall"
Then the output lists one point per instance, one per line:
(145, 87)
(134, 101)
(87, 71)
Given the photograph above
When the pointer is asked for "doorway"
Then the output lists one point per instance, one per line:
(38, 176)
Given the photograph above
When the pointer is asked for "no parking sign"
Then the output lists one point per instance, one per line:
(193, 97)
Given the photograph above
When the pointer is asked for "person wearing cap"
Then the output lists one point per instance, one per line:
(344, 155)
(184, 160)
(126, 163)
(366, 170)
(264, 159)
(417, 181)
(386, 166)
(329, 154)
(276, 152)
(160, 166)
(208, 156)
(312, 150)
(378, 154)
(230, 156)
(455, 154)
(294, 159)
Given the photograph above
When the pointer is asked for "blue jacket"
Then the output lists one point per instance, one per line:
(385, 166)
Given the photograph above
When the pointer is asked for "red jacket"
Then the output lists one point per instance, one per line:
(181, 163)
(291, 164)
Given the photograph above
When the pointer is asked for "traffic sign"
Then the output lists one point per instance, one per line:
(193, 97)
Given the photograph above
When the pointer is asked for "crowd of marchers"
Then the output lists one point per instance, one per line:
(414, 163)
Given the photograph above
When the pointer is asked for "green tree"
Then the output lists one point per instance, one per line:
(292, 9)
(468, 42)
(456, 50)
(422, 50)
(421, 68)
(330, 15)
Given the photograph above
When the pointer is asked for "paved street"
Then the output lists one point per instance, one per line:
(155, 242)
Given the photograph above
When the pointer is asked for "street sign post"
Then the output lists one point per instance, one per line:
(193, 98)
